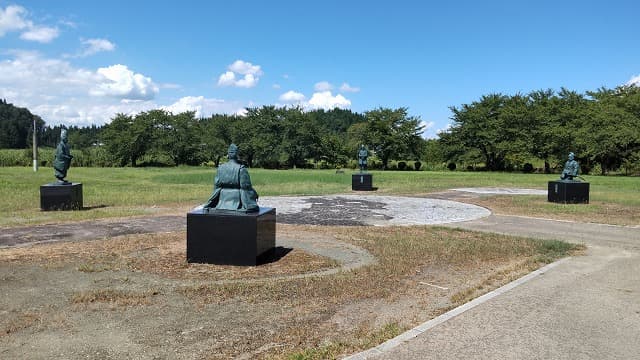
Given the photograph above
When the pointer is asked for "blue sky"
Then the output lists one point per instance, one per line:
(81, 62)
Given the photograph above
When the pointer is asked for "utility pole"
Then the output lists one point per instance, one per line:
(35, 147)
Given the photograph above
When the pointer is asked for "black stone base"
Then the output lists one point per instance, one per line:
(61, 197)
(230, 238)
(568, 192)
(362, 182)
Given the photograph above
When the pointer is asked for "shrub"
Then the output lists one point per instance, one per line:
(527, 168)
(402, 165)
(451, 166)
(417, 165)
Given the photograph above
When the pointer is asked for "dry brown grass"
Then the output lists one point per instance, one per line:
(18, 322)
(309, 317)
(474, 264)
(536, 206)
(112, 296)
(163, 254)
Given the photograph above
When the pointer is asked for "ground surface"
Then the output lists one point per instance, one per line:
(584, 308)
(112, 289)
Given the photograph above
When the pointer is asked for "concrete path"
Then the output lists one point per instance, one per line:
(586, 307)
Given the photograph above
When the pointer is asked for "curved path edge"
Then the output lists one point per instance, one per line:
(413, 333)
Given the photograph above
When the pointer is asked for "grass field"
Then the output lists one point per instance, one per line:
(114, 192)
(268, 311)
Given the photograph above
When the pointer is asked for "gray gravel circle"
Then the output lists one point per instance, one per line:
(363, 210)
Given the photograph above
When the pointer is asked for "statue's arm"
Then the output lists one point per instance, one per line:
(245, 180)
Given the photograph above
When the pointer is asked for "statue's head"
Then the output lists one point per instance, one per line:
(63, 135)
(232, 153)
(571, 156)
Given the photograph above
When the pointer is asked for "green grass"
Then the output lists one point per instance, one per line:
(110, 192)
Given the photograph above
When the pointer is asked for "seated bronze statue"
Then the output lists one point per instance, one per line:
(571, 168)
(232, 188)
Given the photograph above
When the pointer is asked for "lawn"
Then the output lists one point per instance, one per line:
(115, 192)
(136, 296)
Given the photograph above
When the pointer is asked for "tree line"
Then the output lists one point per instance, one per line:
(497, 132)
(268, 136)
(501, 132)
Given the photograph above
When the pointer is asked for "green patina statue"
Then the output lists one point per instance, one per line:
(232, 188)
(363, 153)
(571, 168)
(62, 159)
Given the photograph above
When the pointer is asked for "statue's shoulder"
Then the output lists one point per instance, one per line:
(230, 166)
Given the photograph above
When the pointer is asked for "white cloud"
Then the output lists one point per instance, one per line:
(40, 34)
(204, 107)
(12, 19)
(292, 97)
(93, 46)
(347, 88)
(65, 94)
(244, 68)
(324, 100)
(30, 73)
(85, 111)
(227, 79)
(276, 86)
(120, 82)
(635, 80)
(60, 92)
(250, 79)
(323, 86)
(427, 129)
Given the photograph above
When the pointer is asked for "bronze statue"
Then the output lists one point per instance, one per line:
(232, 188)
(571, 168)
(363, 153)
(62, 159)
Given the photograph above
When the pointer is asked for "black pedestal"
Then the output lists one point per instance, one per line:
(362, 182)
(61, 197)
(568, 192)
(229, 237)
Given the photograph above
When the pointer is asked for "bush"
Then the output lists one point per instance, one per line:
(402, 165)
(451, 166)
(417, 165)
(527, 168)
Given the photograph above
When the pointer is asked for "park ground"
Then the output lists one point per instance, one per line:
(134, 296)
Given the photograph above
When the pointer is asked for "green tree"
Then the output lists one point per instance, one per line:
(217, 135)
(301, 138)
(259, 136)
(480, 126)
(16, 126)
(611, 136)
(391, 134)
(179, 136)
(128, 138)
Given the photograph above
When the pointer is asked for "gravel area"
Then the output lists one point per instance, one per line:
(374, 210)
(502, 191)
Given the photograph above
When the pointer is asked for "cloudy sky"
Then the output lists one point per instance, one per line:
(81, 62)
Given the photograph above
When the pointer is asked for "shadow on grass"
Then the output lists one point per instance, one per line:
(93, 207)
(273, 256)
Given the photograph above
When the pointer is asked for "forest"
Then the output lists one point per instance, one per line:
(497, 132)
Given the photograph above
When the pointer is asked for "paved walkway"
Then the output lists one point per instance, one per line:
(585, 307)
